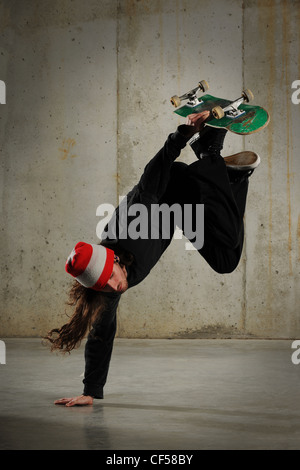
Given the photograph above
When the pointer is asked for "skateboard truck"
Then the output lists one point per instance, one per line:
(232, 110)
(190, 95)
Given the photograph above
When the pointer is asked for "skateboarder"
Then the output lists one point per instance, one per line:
(104, 272)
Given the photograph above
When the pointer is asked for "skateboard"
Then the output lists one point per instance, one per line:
(235, 116)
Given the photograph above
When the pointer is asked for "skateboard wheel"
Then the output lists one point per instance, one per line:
(248, 95)
(218, 112)
(175, 100)
(203, 85)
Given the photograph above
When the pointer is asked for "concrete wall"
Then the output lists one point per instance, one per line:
(87, 105)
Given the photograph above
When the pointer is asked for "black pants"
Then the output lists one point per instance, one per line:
(205, 182)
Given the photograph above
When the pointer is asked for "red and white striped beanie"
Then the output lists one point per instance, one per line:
(91, 265)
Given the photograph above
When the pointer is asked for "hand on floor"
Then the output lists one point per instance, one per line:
(80, 400)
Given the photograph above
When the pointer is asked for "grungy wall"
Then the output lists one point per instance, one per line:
(87, 105)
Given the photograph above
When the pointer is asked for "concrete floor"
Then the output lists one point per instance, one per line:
(161, 394)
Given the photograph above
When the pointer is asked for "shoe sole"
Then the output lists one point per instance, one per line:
(243, 161)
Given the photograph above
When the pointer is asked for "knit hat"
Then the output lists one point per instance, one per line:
(91, 265)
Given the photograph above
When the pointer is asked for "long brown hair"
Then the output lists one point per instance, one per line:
(88, 306)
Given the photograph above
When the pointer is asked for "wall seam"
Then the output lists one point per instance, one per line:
(118, 7)
(118, 99)
(244, 283)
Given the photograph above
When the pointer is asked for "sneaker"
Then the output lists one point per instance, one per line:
(208, 142)
(242, 161)
(241, 165)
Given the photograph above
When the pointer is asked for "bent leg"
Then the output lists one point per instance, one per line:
(206, 182)
(222, 216)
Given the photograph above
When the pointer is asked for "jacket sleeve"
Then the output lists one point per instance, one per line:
(98, 351)
(156, 175)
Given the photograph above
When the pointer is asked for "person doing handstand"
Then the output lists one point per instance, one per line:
(103, 272)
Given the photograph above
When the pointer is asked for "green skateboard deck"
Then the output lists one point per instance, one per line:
(238, 118)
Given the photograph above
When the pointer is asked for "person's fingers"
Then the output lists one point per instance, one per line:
(201, 117)
(62, 401)
(72, 402)
(80, 400)
(197, 118)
